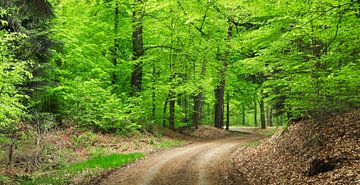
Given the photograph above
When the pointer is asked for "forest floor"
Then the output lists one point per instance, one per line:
(60, 151)
(315, 151)
(203, 162)
(318, 151)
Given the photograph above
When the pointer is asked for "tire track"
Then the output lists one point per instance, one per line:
(201, 163)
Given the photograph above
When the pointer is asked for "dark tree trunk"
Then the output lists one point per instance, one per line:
(164, 110)
(262, 114)
(219, 105)
(197, 110)
(153, 94)
(198, 99)
(220, 89)
(116, 45)
(270, 117)
(243, 116)
(227, 111)
(267, 116)
(172, 111)
(12, 147)
(138, 48)
(255, 114)
(186, 105)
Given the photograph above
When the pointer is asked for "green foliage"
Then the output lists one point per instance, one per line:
(105, 162)
(91, 105)
(13, 74)
(64, 175)
(302, 58)
(85, 139)
(307, 55)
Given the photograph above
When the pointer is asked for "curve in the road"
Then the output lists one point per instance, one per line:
(202, 163)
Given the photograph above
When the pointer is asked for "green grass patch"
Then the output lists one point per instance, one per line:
(104, 162)
(169, 143)
(93, 165)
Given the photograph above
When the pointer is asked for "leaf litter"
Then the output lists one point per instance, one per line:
(312, 151)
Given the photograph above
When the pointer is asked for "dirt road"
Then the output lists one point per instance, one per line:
(202, 163)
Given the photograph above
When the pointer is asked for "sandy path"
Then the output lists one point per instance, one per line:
(202, 163)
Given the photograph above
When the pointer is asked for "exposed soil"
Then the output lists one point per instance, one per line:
(204, 162)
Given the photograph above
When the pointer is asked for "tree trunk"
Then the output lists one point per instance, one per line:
(267, 116)
(116, 45)
(243, 116)
(138, 48)
(12, 147)
(220, 89)
(227, 111)
(255, 114)
(186, 105)
(198, 99)
(164, 110)
(270, 117)
(172, 111)
(197, 110)
(153, 94)
(219, 104)
(262, 114)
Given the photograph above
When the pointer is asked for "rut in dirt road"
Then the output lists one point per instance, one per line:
(203, 163)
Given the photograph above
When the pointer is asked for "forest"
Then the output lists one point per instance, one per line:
(134, 68)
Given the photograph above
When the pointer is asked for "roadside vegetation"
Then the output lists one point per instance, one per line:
(115, 77)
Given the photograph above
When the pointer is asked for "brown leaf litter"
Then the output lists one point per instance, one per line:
(309, 152)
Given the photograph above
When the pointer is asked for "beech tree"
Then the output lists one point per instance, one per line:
(113, 65)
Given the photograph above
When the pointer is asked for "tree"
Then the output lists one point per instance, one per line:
(220, 89)
(138, 47)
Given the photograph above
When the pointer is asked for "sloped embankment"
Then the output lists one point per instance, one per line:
(309, 152)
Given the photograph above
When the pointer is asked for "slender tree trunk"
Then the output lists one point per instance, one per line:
(243, 116)
(116, 45)
(138, 48)
(267, 116)
(237, 116)
(220, 89)
(270, 117)
(153, 93)
(172, 111)
(172, 93)
(197, 110)
(12, 147)
(164, 110)
(198, 99)
(227, 111)
(262, 114)
(255, 114)
(186, 104)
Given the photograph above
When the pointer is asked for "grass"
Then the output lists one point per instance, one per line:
(102, 163)
(105, 162)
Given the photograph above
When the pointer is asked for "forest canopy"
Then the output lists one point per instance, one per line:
(119, 65)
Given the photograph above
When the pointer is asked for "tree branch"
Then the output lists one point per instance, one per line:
(196, 27)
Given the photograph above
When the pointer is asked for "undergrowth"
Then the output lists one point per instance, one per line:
(89, 168)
